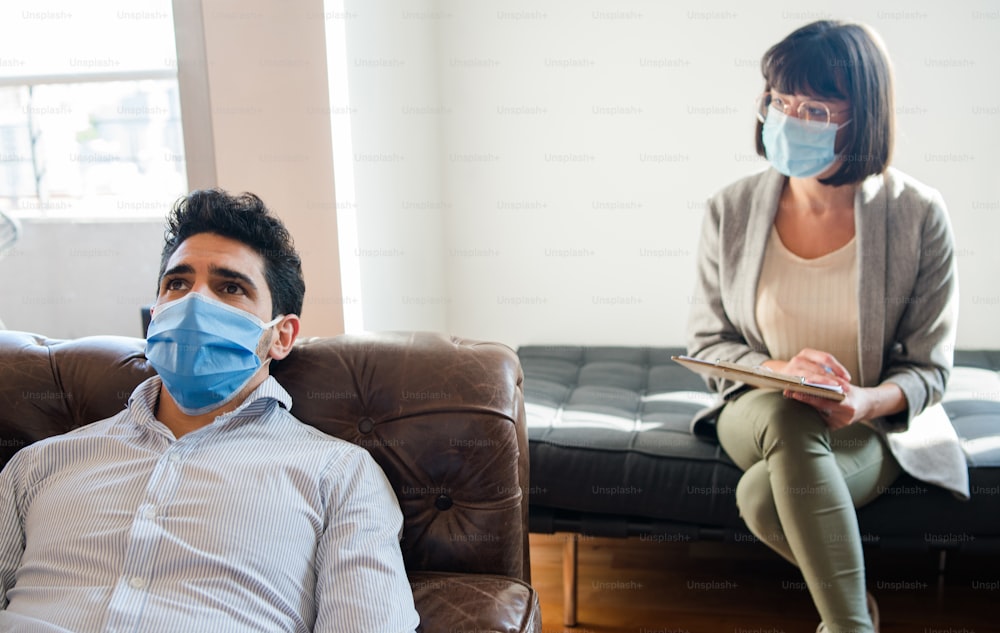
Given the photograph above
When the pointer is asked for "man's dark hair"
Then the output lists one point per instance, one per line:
(246, 219)
(839, 60)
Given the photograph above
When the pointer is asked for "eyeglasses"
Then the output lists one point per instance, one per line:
(815, 111)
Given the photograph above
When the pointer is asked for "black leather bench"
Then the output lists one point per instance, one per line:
(611, 454)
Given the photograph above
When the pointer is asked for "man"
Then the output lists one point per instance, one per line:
(205, 506)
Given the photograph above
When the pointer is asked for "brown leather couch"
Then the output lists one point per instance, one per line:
(444, 417)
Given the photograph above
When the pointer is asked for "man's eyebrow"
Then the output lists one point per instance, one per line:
(229, 273)
(179, 269)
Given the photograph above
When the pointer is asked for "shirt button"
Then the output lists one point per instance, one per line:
(149, 512)
(137, 582)
(174, 457)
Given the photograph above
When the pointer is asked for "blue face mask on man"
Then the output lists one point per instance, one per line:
(796, 147)
(204, 351)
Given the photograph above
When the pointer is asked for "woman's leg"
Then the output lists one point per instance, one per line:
(799, 493)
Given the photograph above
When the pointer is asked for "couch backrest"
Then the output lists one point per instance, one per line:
(443, 416)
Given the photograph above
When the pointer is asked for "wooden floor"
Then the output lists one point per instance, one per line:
(635, 586)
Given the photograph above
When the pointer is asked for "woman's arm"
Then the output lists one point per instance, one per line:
(921, 357)
(712, 334)
(860, 404)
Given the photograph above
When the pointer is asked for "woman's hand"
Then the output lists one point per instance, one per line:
(815, 365)
(853, 408)
(823, 368)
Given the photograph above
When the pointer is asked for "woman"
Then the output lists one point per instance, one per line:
(833, 266)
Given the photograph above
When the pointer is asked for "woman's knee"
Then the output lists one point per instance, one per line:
(755, 501)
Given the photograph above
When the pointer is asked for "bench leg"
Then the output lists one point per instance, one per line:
(569, 580)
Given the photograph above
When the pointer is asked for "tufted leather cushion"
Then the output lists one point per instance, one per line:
(612, 454)
(443, 416)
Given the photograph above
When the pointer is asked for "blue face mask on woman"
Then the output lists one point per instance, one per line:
(796, 147)
(204, 351)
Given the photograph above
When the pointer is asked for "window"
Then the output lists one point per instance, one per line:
(90, 120)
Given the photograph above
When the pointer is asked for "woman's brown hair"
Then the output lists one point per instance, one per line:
(838, 60)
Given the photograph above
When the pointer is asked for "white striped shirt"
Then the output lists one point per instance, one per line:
(256, 522)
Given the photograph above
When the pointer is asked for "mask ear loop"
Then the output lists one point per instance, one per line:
(267, 326)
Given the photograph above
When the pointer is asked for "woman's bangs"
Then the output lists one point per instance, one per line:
(814, 72)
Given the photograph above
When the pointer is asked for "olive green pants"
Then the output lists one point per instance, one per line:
(799, 490)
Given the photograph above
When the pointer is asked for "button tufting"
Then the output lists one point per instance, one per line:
(443, 502)
(366, 425)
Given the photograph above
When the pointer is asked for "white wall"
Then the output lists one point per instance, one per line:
(580, 139)
(533, 172)
(70, 279)
(395, 120)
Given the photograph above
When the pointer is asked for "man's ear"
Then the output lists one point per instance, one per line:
(288, 331)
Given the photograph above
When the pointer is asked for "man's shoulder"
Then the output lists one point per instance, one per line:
(306, 435)
(108, 427)
(46, 455)
(338, 462)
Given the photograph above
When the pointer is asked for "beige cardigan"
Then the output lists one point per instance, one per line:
(907, 297)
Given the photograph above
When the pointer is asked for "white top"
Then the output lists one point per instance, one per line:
(809, 302)
(256, 523)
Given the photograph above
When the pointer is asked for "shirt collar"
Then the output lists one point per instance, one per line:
(142, 402)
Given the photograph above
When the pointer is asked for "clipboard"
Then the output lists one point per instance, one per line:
(759, 377)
